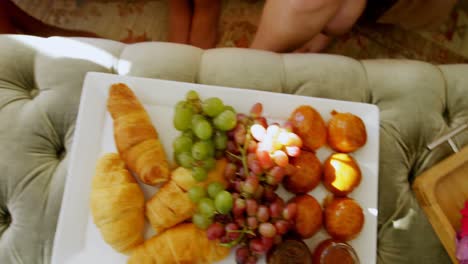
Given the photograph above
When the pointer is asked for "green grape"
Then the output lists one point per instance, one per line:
(230, 108)
(223, 202)
(214, 188)
(181, 104)
(189, 133)
(196, 107)
(220, 140)
(201, 221)
(206, 207)
(196, 193)
(199, 174)
(191, 95)
(211, 145)
(197, 118)
(185, 159)
(182, 144)
(203, 129)
(212, 106)
(225, 121)
(209, 164)
(182, 118)
(202, 150)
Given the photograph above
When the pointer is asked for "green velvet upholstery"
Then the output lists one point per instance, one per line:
(40, 86)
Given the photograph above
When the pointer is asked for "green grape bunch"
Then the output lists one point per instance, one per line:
(203, 125)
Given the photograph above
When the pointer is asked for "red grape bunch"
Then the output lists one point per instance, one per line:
(258, 156)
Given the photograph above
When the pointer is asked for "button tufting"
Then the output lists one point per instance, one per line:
(61, 153)
(5, 219)
(33, 93)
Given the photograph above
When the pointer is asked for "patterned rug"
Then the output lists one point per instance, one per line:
(133, 21)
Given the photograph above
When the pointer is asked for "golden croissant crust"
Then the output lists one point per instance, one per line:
(136, 138)
(117, 204)
(184, 243)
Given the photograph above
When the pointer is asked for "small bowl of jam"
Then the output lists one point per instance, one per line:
(333, 251)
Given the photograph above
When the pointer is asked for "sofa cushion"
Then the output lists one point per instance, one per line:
(40, 86)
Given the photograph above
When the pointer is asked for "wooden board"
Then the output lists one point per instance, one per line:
(442, 192)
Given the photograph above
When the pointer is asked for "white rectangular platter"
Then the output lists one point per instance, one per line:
(78, 240)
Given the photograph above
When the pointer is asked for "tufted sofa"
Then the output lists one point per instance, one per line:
(40, 86)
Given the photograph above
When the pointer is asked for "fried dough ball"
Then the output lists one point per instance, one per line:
(306, 173)
(346, 132)
(308, 124)
(344, 218)
(308, 218)
(341, 174)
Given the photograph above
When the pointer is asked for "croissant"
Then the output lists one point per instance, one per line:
(136, 138)
(117, 204)
(184, 243)
(171, 204)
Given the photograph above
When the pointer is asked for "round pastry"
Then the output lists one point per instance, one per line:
(344, 218)
(346, 132)
(341, 174)
(306, 173)
(290, 251)
(332, 251)
(308, 218)
(308, 124)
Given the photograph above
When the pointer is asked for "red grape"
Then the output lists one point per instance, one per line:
(230, 171)
(232, 231)
(240, 221)
(259, 192)
(239, 134)
(255, 167)
(252, 147)
(263, 213)
(289, 212)
(278, 173)
(264, 159)
(241, 173)
(225, 239)
(267, 242)
(215, 231)
(239, 207)
(256, 110)
(282, 226)
(257, 246)
(251, 184)
(267, 229)
(252, 222)
(242, 253)
(232, 147)
(237, 185)
(261, 121)
(269, 194)
(252, 259)
(253, 163)
(252, 207)
(242, 118)
(276, 209)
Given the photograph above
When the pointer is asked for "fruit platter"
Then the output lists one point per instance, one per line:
(170, 172)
